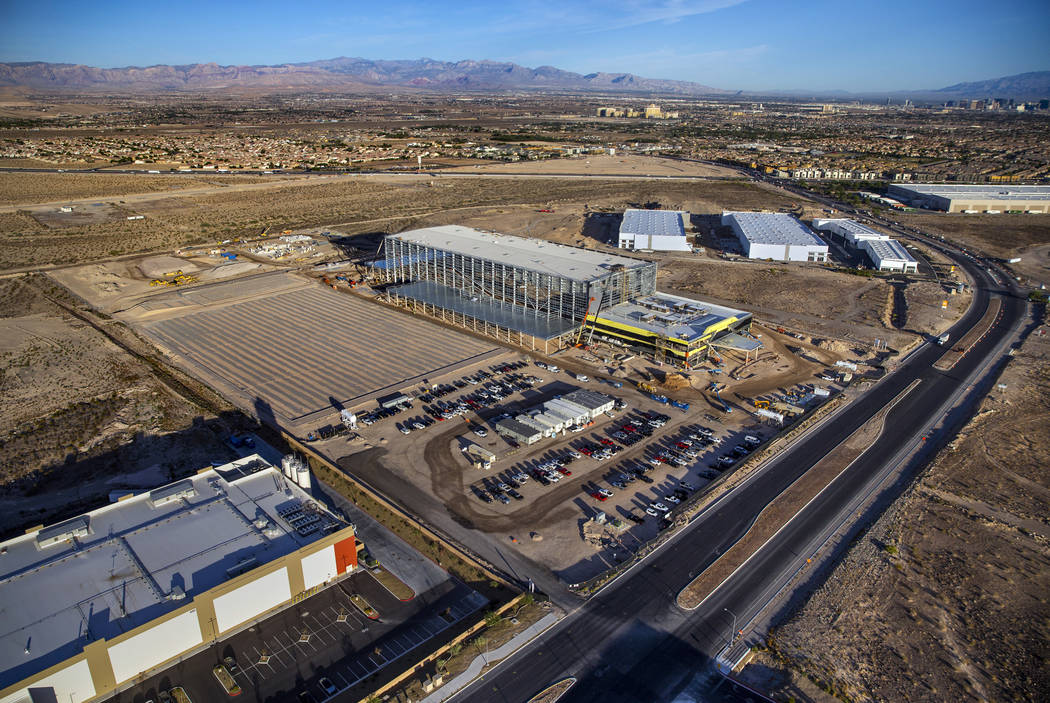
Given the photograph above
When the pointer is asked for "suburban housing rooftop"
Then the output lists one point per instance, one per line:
(532, 254)
(113, 569)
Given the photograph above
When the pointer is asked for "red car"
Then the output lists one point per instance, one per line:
(630, 428)
(563, 471)
(682, 445)
(606, 441)
(586, 450)
(598, 496)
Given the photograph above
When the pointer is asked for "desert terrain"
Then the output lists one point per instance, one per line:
(945, 598)
(82, 415)
(997, 235)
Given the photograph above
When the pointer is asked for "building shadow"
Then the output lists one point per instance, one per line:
(602, 227)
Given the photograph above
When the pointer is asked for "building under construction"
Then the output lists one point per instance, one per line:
(546, 296)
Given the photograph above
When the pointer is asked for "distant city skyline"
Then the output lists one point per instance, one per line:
(752, 45)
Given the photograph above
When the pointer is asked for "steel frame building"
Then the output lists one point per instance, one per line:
(540, 295)
(509, 287)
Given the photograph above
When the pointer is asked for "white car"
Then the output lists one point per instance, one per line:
(605, 492)
(673, 499)
(661, 507)
(480, 431)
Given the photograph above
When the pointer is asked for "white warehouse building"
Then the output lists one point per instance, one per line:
(889, 255)
(656, 230)
(776, 236)
(885, 254)
(97, 601)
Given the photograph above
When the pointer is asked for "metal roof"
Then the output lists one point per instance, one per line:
(774, 228)
(889, 250)
(857, 230)
(985, 191)
(135, 560)
(671, 315)
(536, 255)
(665, 223)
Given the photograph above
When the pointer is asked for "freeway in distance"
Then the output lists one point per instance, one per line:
(631, 642)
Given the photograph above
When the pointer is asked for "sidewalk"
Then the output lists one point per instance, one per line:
(482, 660)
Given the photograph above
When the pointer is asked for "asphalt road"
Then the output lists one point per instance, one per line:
(631, 642)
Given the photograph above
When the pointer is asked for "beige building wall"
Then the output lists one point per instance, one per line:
(90, 675)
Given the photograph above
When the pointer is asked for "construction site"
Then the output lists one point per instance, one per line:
(350, 344)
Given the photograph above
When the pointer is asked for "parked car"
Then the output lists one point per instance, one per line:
(327, 686)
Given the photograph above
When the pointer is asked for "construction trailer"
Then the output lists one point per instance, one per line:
(480, 457)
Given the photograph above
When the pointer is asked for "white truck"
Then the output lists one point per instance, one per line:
(943, 339)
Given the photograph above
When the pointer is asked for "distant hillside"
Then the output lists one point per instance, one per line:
(343, 74)
(1023, 86)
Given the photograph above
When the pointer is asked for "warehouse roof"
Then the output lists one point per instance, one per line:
(856, 229)
(986, 191)
(113, 569)
(671, 315)
(533, 254)
(774, 228)
(666, 223)
(889, 250)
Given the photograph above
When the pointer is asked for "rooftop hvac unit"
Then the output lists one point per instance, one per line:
(172, 493)
(63, 532)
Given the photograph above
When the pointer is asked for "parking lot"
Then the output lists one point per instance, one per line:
(635, 465)
(285, 657)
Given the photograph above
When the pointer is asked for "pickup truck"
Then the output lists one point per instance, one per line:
(943, 339)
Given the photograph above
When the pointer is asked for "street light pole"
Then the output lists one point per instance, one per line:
(732, 633)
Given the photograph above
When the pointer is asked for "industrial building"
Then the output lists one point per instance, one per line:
(776, 236)
(884, 253)
(991, 198)
(656, 230)
(558, 415)
(546, 296)
(125, 590)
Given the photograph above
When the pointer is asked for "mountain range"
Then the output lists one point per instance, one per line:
(351, 75)
(340, 74)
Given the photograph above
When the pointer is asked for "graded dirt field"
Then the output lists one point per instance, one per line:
(191, 212)
(604, 165)
(290, 347)
(997, 235)
(945, 598)
(81, 416)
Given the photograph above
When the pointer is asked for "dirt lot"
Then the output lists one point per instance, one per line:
(945, 598)
(602, 165)
(190, 212)
(1034, 265)
(81, 416)
(997, 235)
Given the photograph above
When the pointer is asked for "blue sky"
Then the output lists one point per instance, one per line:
(857, 45)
